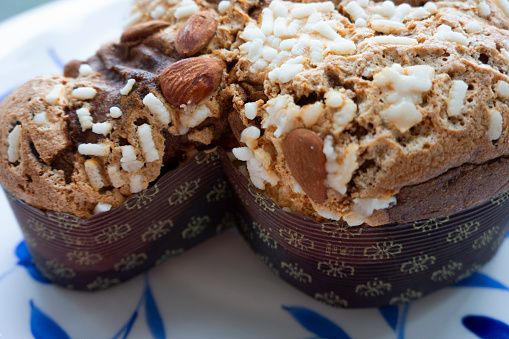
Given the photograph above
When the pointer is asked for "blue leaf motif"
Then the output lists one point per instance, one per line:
(55, 58)
(43, 327)
(154, 320)
(485, 327)
(127, 327)
(480, 280)
(316, 323)
(25, 260)
(391, 315)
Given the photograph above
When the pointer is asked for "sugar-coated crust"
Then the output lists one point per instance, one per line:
(395, 153)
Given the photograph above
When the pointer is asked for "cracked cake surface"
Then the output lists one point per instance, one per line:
(360, 111)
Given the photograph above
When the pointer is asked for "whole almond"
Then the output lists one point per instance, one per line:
(197, 33)
(303, 151)
(143, 30)
(191, 80)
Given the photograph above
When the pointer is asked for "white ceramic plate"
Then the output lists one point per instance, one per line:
(219, 289)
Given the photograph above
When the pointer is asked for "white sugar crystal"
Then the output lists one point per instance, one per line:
(14, 141)
(496, 124)
(431, 7)
(128, 87)
(287, 72)
(503, 5)
(363, 3)
(147, 143)
(85, 119)
(242, 153)
(280, 26)
(301, 12)
(85, 70)
(137, 183)
(333, 99)
(128, 153)
(252, 32)
(325, 30)
(255, 50)
(279, 59)
(93, 171)
(186, 8)
(115, 177)
(282, 113)
(100, 150)
(287, 44)
(40, 119)
(258, 65)
(251, 110)
(386, 9)
(249, 136)
(386, 26)
(223, 6)
(504, 54)
(339, 175)
(157, 108)
(457, 97)
(115, 112)
(132, 166)
(84, 93)
(53, 96)
(199, 115)
(344, 116)
(313, 19)
(269, 53)
(158, 12)
(311, 113)
(404, 115)
(484, 9)
(355, 11)
(364, 207)
(274, 41)
(502, 89)
(342, 47)
(393, 40)
(445, 33)
(267, 26)
(293, 28)
(102, 128)
(361, 23)
(401, 12)
(280, 10)
(102, 207)
(326, 6)
(418, 14)
(473, 27)
(316, 51)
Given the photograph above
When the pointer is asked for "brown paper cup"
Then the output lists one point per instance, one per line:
(183, 208)
(368, 266)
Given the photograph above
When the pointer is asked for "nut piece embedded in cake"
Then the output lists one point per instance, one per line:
(199, 30)
(303, 152)
(143, 30)
(189, 81)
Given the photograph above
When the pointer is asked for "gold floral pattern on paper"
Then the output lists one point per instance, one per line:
(486, 238)
(447, 272)
(373, 288)
(195, 227)
(220, 190)
(101, 283)
(245, 228)
(336, 269)
(130, 262)
(71, 240)
(265, 203)
(383, 250)
(331, 299)
(266, 260)
(406, 297)
(184, 192)
(84, 258)
(53, 269)
(463, 232)
(10, 196)
(157, 230)
(502, 198)
(336, 251)
(498, 241)
(207, 157)
(296, 240)
(40, 229)
(113, 234)
(264, 235)
(142, 199)
(169, 254)
(418, 264)
(227, 221)
(474, 268)
(341, 230)
(430, 224)
(64, 220)
(297, 273)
